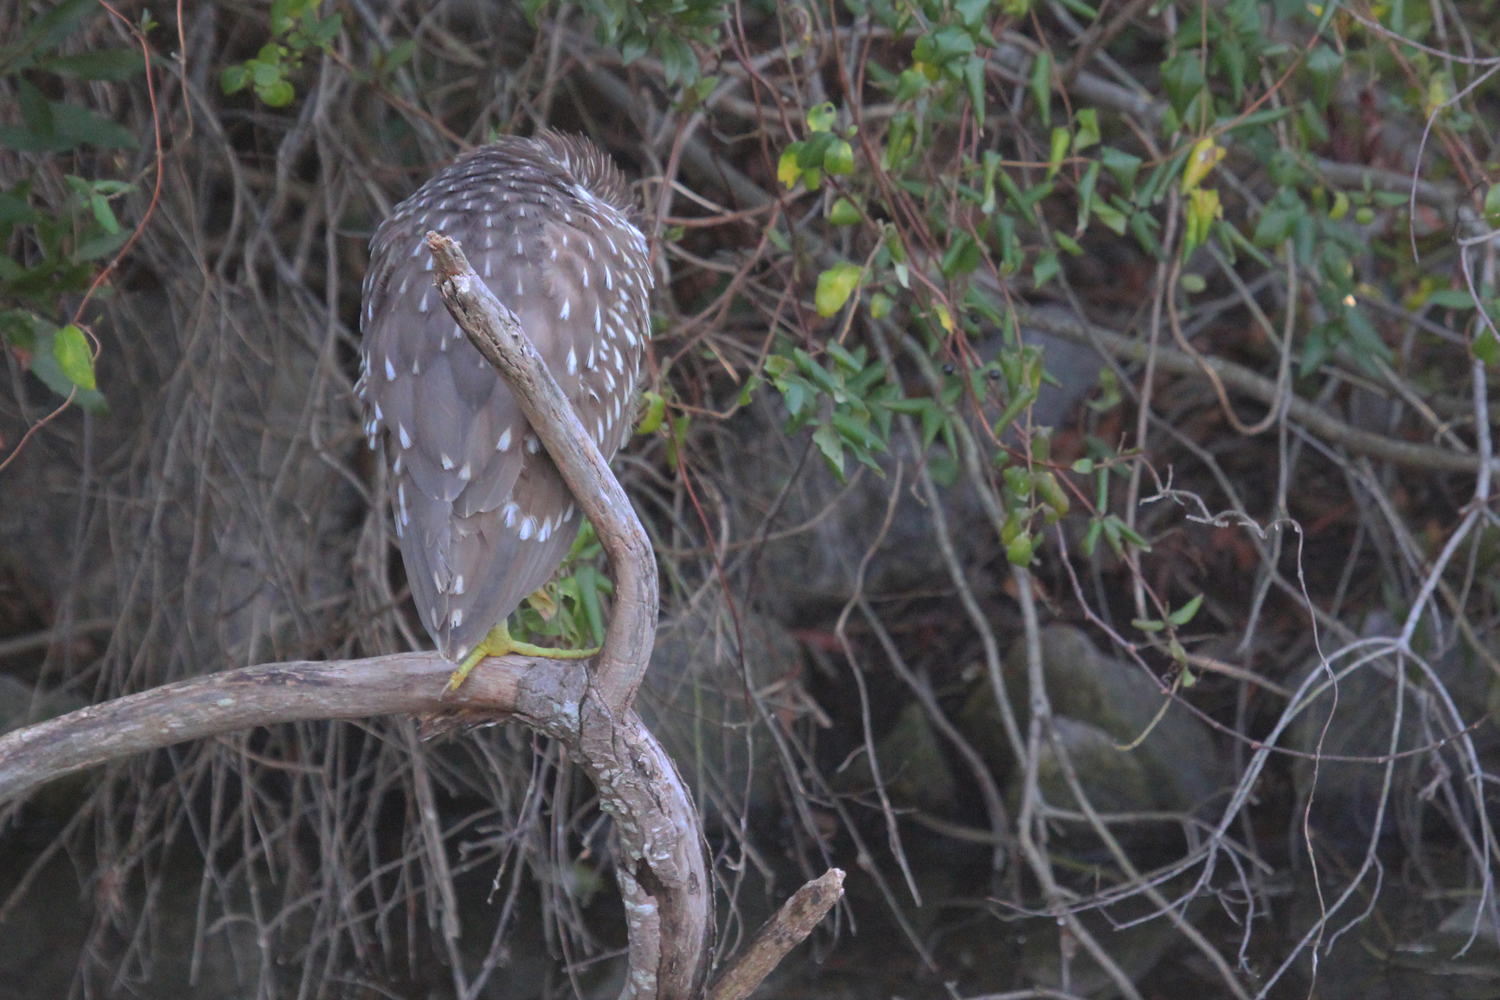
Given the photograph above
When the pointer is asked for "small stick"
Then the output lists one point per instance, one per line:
(783, 932)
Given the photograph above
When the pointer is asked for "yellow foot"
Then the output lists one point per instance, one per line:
(499, 643)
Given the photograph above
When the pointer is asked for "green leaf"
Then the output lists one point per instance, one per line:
(1060, 142)
(974, 79)
(81, 126)
(234, 79)
(852, 362)
(106, 64)
(1450, 298)
(1182, 78)
(1086, 195)
(844, 213)
(678, 61)
(796, 392)
(631, 48)
(909, 84)
(962, 256)
(1111, 217)
(1325, 65)
(1080, 8)
(821, 118)
(1487, 348)
(1046, 268)
(277, 94)
(656, 410)
(36, 112)
(52, 126)
(835, 285)
(832, 446)
(972, 12)
(1205, 156)
(1492, 205)
(880, 305)
(45, 366)
(100, 246)
(589, 584)
(1087, 134)
(839, 159)
(103, 213)
(1185, 614)
(787, 170)
(401, 53)
(811, 151)
(1041, 84)
(44, 32)
(1122, 166)
(74, 357)
(1278, 219)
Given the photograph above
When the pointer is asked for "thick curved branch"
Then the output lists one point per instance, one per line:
(494, 330)
(410, 683)
(663, 873)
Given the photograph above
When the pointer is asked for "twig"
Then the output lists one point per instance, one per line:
(783, 932)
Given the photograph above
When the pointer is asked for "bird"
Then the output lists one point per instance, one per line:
(482, 515)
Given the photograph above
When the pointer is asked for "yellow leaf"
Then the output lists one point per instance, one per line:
(1202, 209)
(656, 410)
(1205, 156)
(944, 318)
(835, 285)
(787, 170)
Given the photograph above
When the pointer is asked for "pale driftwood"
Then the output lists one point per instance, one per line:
(783, 932)
(663, 870)
(408, 683)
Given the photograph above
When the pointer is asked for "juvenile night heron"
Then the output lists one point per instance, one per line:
(482, 514)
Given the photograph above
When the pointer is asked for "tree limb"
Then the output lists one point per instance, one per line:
(662, 872)
(409, 683)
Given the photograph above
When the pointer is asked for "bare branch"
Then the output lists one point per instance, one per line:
(783, 932)
(262, 696)
(663, 874)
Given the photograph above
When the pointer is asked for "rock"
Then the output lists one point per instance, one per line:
(1114, 782)
(696, 701)
(911, 763)
(1099, 703)
(1357, 721)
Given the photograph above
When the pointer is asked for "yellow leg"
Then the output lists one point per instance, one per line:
(499, 642)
